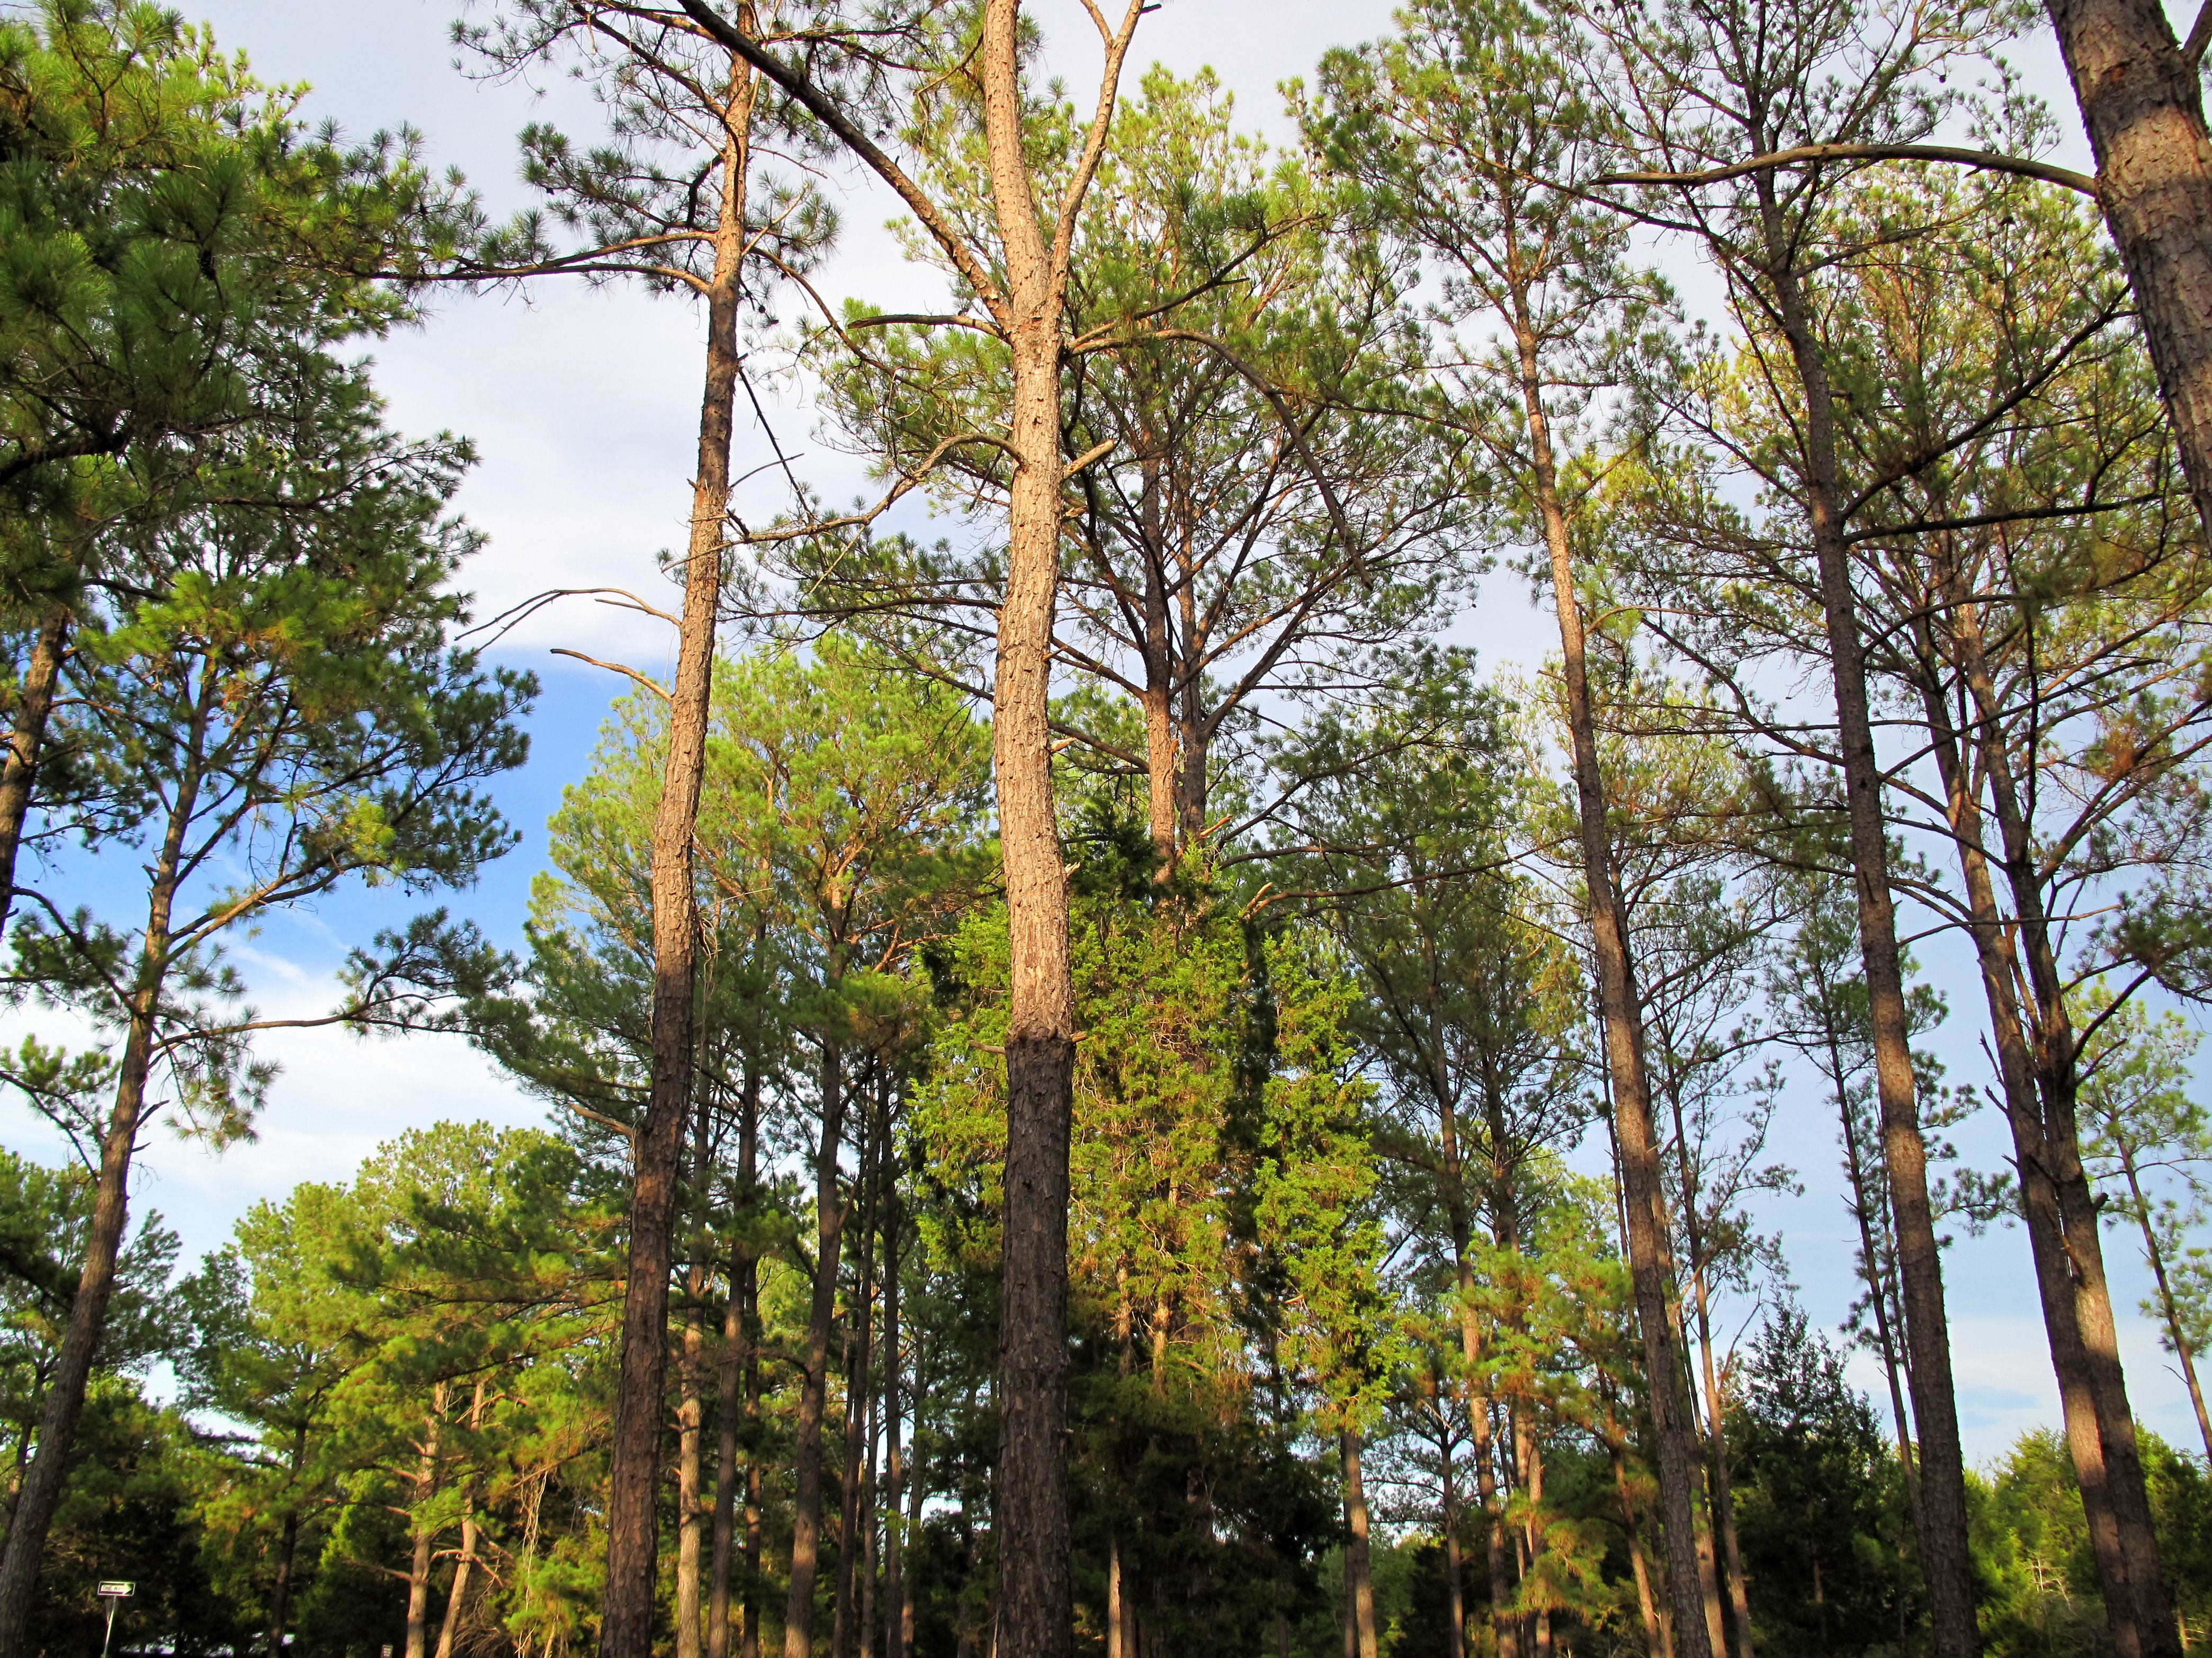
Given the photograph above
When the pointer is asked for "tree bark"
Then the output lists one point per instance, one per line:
(1161, 758)
(418, 1596)
(449, 1630)
(1877, 1281)
(814, 1376)
(458, 1599)
(690, 1427)
(634, 1462)
(894, 1457)
(1029, 1509)
(2058, 1205)
(2167, 1307)
(27, 738)
(1635, 1138)
(737, 1343)
(853, 1518)
(1655, 1643)
(1723, 1495)
(1358, 1566)
(280, 1592)
(1455, 1591)
(2142, 104)
(41, 1488)
(1943, 1550)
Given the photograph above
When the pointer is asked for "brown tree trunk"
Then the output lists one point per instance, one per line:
(634, 1459)
(41, 1488)
(691, 1369)
(852, 1511)
(1943, 1551)
(1029, 1509)
(871, 1564)
(2142, 104)
(814, 1376)
(2058, 1205)
(1161, 756)
(418, 1596)
(449, 1631)
(1455, 1591)
(917, 1490)
(280, 1592)
(736, 1343)
(1723, 1495)
(895, 1644)
(1635, 1138)
(2167, 1307)
(26, 737)
(1877, 1283)
(1655, 1643)
(458, 1599)
(1358, 1566)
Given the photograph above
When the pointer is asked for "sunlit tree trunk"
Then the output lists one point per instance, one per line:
(1943, 1550)
(633, 1455)
(2142, 102)
(1636, 1141)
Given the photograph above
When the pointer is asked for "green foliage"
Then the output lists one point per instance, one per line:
(1820, 1500)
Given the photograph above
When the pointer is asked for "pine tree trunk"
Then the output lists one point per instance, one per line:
(449, 1631)
(1943, 1550)
(2142, 104)
(852, 1513)
(895, 1644)
(633, 1461)
(690, 1427)
(814, 1376)
(737, 1342)
(1877, 1282)
(418, 1596)
(27, 738)
(1455, 1590)
(1030, 1508)
(458, 1599)
(280, 1592)
(871, 1563)
(1635, 1139)
(1162, 779)
(41, 1488)
(1723, 1494)
(1358, 1566)
(2155, 1258)
(1655, 1643)
(2058, 1206)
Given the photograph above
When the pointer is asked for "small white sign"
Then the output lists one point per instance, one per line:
(117, 1591)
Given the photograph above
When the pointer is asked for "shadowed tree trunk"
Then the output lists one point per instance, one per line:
(1358, 1570)
(26, 737)
(814, 1373)
(736, 1343)
(41, 1488)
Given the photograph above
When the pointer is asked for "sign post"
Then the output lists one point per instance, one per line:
(114, 1592)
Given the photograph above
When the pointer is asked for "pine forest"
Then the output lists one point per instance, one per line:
(1409, 859)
